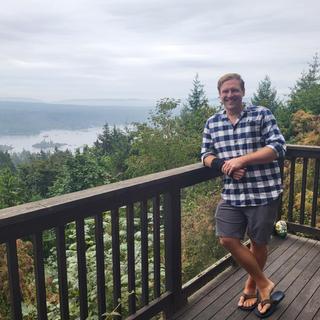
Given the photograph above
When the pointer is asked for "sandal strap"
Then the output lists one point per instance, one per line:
(249, 296)
(266, 301)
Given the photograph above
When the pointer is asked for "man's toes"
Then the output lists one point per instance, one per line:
(250, 302)
(265, 308)
(241, 301)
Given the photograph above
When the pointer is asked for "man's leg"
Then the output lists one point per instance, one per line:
(249, 262)
(260, 252)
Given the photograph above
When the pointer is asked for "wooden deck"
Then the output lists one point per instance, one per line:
(293, 264)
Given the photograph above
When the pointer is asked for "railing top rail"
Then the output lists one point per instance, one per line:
(294, 150)
(59, 210)
(62, 209)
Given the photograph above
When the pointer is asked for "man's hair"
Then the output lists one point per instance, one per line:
(230, 76)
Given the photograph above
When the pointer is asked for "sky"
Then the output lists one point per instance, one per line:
(66, 50)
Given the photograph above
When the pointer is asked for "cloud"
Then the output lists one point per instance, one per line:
(150, 49)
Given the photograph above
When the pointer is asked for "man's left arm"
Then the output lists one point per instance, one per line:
(262, 156)
(274, 147)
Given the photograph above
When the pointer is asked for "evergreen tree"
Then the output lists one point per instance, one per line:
(159, 145)
(266, 96)
(11, 189)
(193, 118)
(306, 93)
(81, 171)
(197, 98)
(115, 144)
(5, 161)
(40, 171)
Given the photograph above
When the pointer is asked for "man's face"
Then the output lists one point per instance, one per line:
(231, 95)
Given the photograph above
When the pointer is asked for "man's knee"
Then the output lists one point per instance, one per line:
(258, 246)
(228, 242)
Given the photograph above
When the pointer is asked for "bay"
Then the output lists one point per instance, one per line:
(72, 139)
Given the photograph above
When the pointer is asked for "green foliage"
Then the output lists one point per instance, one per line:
(115, 144)
(27, 282)
(91, 266)
(266, 96)
(157, 146)
(11, 189)
(306, 93)
(200, 247)
(81, 171)
(5, 161)
(170, 141)
(40, 173)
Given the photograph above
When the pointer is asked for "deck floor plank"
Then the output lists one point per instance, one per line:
(311, 308)
(223, 308)
(279, 269)
(276, 271)
(234, 283)
(293, 265)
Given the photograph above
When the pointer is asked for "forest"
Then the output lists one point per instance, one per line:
(167, 140)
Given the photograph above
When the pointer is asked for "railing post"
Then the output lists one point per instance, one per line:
(14, 282)
(172, 215)
(281, 164)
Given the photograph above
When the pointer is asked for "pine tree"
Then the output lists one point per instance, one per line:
(266, 95)
(197, 98)
(306, 93)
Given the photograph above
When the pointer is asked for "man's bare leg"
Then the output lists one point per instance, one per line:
(249, 262)
(260, 252)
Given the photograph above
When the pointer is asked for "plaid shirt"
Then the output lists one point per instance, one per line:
(255, 129)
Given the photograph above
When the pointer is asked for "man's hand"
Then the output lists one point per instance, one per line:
(238, 174)
(234, 168)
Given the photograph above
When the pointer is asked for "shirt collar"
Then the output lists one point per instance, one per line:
(242, 114)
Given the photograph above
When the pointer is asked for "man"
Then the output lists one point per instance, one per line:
(244, 143)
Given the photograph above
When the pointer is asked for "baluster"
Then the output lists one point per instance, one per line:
(315, 193)
(62, 272)
(291, 188)
(172, 212)
(303, 190)
(39, 276)
(156, 246)
(131, 259)
(116, 259)
(82, 269)
(13, 273)
(144, 253)
(101, 291)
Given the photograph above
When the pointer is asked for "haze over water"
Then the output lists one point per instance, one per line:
(72, 138)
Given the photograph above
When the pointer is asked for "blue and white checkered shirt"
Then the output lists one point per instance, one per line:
(256, 128)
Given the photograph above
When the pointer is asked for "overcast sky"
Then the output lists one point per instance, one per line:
(96, 49)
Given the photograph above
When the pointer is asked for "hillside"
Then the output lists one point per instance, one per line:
(23, 118)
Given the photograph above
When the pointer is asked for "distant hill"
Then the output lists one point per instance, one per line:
(23, 118)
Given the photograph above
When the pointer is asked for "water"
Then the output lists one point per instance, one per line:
(73, 139)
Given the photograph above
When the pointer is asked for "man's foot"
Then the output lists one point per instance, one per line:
(274, 300)
(248, 301)
(265, 295)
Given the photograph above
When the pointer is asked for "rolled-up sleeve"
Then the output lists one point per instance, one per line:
(272, 135)
(207, 143)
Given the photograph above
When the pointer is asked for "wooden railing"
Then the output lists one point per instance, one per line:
(159, 194)
(307, 158)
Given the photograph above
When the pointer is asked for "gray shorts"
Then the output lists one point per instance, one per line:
(258, 221)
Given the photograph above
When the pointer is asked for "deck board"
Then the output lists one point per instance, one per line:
(293, 265)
